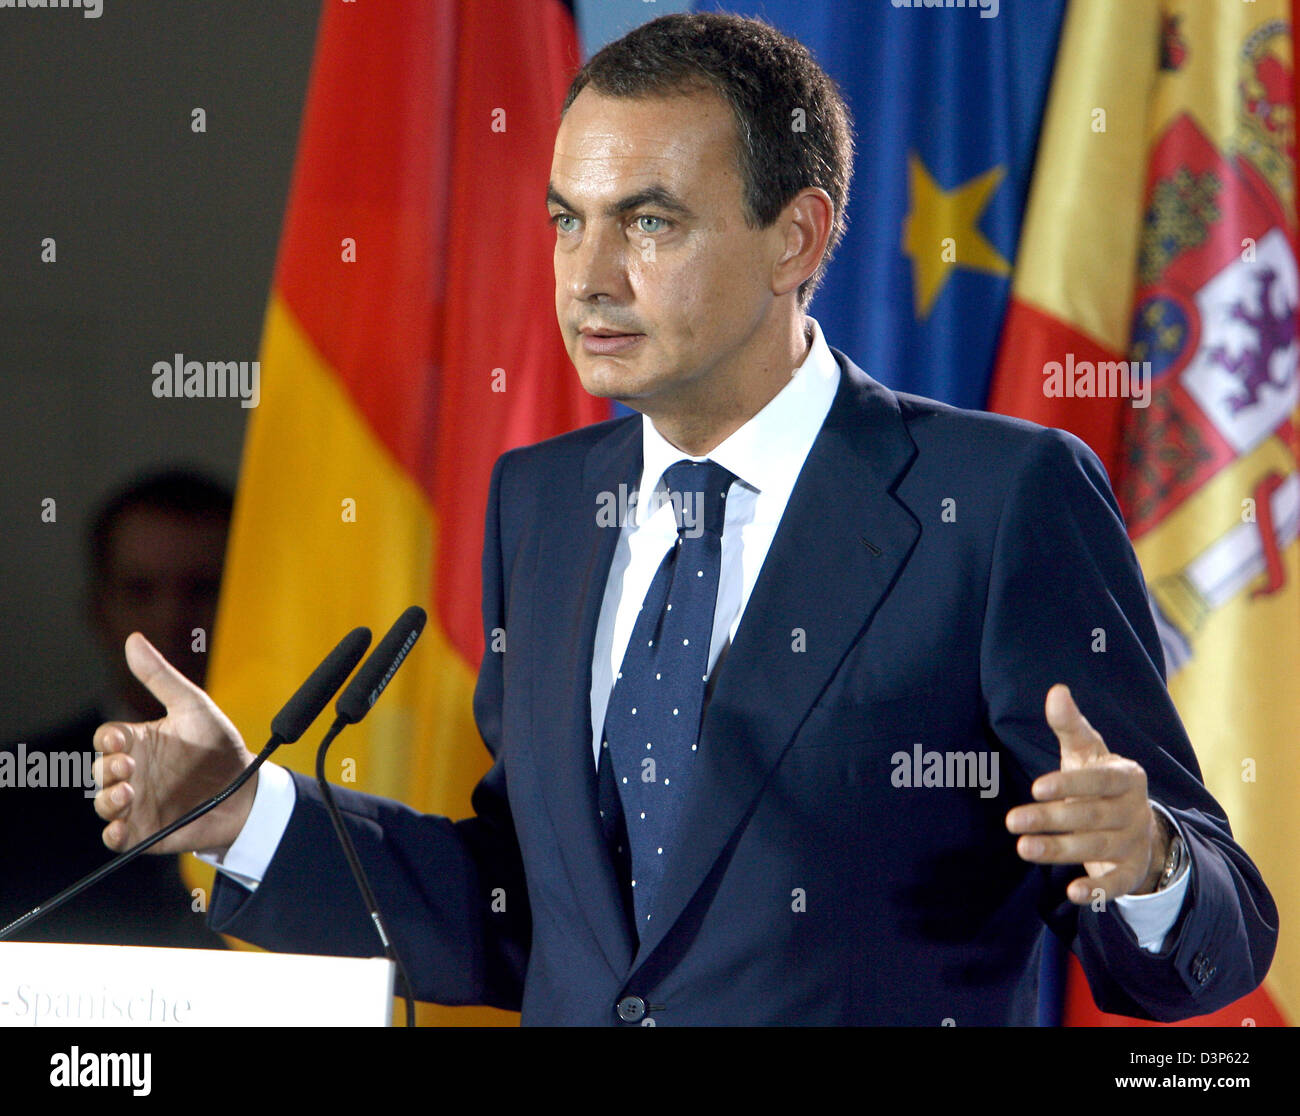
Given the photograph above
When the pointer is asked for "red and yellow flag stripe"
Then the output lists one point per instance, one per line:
(409, 341)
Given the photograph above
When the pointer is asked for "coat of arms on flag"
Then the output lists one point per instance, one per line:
(1168, 236)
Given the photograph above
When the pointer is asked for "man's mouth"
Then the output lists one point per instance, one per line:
(609, 342)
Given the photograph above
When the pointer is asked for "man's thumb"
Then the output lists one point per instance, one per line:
(1078, 739)
(158, 676)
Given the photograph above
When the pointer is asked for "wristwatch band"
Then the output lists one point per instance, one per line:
(1173, 862)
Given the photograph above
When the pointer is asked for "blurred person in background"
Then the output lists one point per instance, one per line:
(156, 549)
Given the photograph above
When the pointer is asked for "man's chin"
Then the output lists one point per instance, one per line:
(610, 378)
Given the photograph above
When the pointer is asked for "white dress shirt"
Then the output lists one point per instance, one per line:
(766, 455)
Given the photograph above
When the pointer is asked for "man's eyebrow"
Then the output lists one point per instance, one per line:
(657, 196)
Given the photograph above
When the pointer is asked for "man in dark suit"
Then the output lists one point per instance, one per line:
(764, 743)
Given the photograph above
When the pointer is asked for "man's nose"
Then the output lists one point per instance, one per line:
(598, 265)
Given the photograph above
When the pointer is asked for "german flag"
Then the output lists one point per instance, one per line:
(410, 339)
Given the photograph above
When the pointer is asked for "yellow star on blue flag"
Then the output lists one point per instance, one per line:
(941, 231)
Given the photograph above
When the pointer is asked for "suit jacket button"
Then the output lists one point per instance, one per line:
(630, 1009)
(1203, 969)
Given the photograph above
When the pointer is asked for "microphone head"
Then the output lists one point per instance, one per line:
(314, 694)
(364, 690)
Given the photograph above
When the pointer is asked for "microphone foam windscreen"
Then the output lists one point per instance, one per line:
(314, 694)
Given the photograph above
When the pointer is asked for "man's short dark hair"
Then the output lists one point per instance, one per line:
(180, 492)
(793, 127)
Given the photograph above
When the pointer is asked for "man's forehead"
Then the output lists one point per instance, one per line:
(618, 138)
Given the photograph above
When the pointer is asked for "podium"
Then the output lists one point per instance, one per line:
(47, 985)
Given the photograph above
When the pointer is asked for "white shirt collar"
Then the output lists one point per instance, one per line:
(768, 451)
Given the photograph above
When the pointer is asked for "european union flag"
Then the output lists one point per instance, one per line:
(947, 102)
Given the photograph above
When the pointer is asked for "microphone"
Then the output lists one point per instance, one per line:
(286, 727)
(324, 682)
(353, 704)
(364, 690)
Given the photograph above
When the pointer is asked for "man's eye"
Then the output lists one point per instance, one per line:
(660, 227)
(558, 219)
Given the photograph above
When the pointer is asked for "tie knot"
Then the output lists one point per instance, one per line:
(698, 490)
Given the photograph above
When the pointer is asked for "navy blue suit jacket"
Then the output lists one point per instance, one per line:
(808, 887)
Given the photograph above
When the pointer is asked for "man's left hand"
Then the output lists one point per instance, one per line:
(1093, 811)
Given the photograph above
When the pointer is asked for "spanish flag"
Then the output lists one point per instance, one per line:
(1153, 314)
(410, 339)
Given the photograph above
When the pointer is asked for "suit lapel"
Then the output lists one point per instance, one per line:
(573, 567)
(842, 527)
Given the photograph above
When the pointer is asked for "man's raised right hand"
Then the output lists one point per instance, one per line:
(152, 773)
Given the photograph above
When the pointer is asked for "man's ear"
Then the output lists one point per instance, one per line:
(805, 229)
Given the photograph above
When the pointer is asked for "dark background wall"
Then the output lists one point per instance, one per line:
(165, 244)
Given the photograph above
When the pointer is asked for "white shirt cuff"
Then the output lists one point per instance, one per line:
(1153, 915)
(248, 858)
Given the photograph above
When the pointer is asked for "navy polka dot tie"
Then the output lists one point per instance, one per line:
(652, 727)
